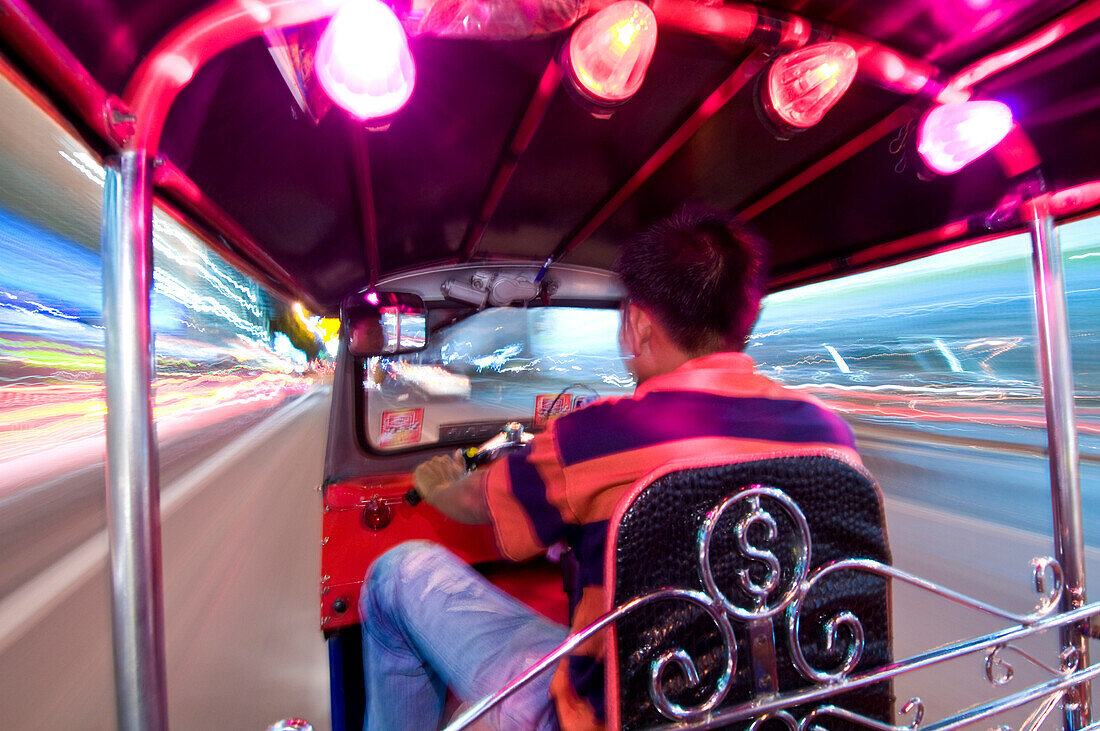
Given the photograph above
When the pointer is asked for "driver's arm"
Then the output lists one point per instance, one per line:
(445, 485)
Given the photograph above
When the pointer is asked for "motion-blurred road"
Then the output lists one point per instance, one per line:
(241, 557)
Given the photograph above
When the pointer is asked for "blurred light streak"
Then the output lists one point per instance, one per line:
(48, 355)
(839, 361)
(201, 261)
(37, 419)
(215, 354)
(86, 165)
(952, 361)
(435, 381)
(992, 407)
(169, 286)
(941, 344)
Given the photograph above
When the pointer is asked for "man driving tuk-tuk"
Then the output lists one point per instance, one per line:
(693, 286)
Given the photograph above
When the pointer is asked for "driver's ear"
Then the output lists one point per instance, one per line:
(640, 331)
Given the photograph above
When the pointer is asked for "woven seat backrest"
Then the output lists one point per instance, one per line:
(655, 544)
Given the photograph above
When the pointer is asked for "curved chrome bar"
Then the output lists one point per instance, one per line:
(786, 718)
(657, 693)
(1000, 672)
(817, 693)
(176, 59)
(916, 705)
(683, 660)
(757, 516)
(1034, 693)
(708, 604)
(1047, 604)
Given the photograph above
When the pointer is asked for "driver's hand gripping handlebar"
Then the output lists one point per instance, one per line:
(511, 437)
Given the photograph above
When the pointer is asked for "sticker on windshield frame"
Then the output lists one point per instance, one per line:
(544, 401)
(401, 428)
(579, 402)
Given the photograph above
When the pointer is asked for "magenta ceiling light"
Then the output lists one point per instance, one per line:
(363, 60)
(954, 135)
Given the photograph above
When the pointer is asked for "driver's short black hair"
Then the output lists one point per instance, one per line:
(701, 273)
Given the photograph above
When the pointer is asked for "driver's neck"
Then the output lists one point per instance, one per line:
(661, 357)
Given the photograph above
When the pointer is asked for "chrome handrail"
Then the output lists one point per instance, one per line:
(725, 611)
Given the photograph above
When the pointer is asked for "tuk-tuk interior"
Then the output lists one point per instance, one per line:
(502, 169)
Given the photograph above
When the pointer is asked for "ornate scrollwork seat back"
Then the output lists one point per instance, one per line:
(725, 530)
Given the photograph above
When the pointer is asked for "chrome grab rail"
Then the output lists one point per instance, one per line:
(827, 684)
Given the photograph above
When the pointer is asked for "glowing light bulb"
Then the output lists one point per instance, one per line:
(954, 135)
(363, 60)
(802, 86)
(609, 52)
(626, 34)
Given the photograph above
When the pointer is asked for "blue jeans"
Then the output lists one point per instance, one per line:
(430, 623)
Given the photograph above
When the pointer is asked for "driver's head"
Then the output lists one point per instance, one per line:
(693, 283)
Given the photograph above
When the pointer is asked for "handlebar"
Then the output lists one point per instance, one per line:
(512, 436)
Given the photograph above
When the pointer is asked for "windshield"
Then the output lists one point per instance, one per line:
(498, 365)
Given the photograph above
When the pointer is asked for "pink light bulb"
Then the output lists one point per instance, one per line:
(363, 60)
(954, 135)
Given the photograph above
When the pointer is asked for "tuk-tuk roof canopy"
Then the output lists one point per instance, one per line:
(334, 205)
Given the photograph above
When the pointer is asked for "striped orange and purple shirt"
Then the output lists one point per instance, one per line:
(566, 485)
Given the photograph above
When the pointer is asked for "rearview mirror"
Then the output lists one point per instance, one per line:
(385, 323)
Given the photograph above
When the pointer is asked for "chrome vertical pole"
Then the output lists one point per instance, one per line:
(133, 500)
(1056, 368)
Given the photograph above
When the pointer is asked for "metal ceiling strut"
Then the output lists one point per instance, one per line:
(890, 123)
(721, 96)
(1067, 203)
(509, 158)
(741, 23)
(239, 247)
(365, 194)
(25, 30)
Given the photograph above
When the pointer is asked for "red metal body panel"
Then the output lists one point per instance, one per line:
(350, 545)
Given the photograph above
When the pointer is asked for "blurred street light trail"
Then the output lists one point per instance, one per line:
(46, 429)
(925, 406)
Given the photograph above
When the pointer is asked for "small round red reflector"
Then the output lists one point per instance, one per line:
(363, 60)
(954, 135)
(376, 514)
(806, 83)
(609, 52)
